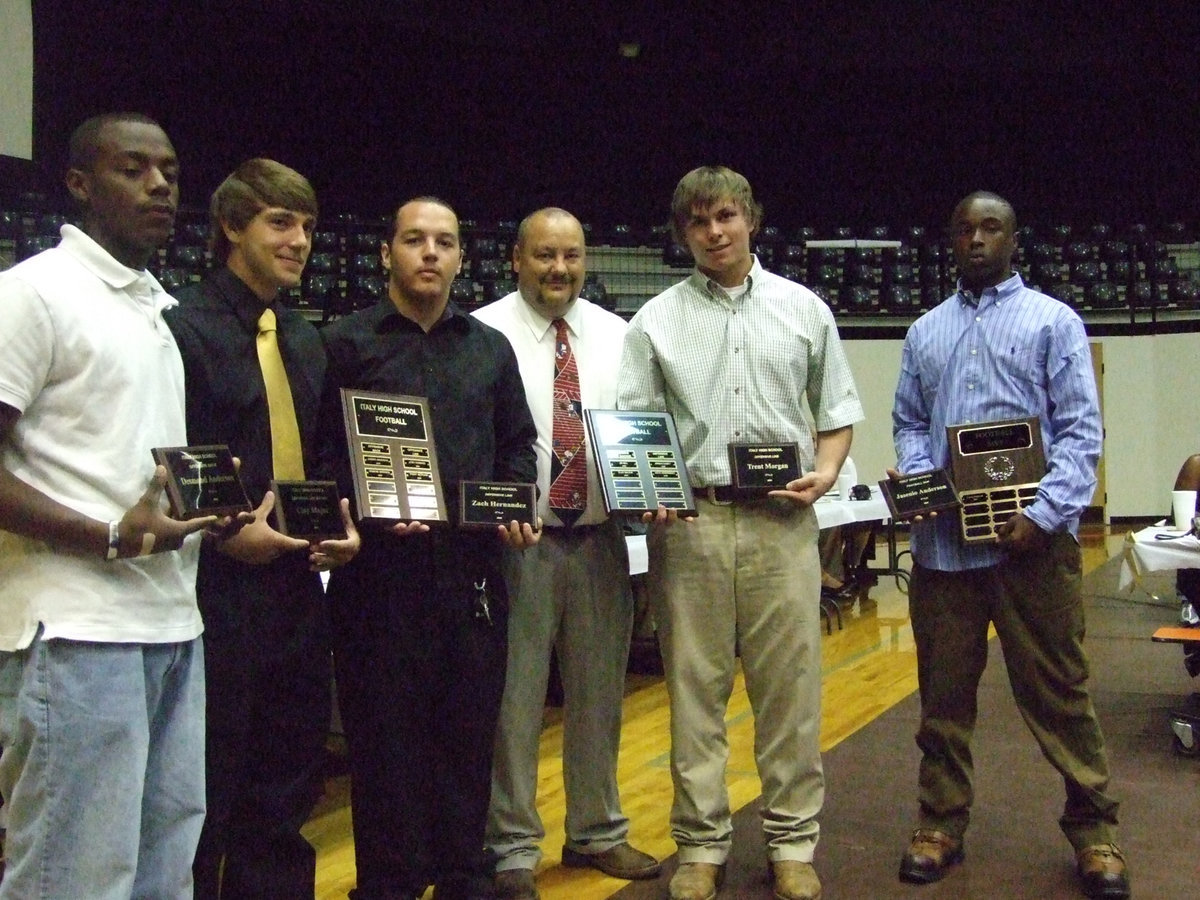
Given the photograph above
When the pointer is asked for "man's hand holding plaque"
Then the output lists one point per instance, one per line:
(257, 543)
(144, 528)
(313, 511)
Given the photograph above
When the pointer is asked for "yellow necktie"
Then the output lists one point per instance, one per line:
(286, 456)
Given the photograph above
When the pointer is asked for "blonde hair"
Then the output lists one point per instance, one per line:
(702, 187)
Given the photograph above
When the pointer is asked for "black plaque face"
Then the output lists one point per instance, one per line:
(392, 455)
(639, 461)
(758, 468)
(486, 504)
(919, 494)
(991, 438)
(308, 510)
(202, 481)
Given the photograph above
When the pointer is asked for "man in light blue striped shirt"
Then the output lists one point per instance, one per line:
(998, 350)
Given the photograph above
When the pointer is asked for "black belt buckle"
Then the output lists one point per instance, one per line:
(720, 495)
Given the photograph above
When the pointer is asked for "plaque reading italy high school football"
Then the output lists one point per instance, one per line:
(392, 456)
(639, 461)
(758, 468)
(486, 504)
(919, 494)
(308, 510)
(996, 467)
(202, 481)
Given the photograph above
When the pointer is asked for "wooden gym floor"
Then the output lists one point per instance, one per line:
(869, 666)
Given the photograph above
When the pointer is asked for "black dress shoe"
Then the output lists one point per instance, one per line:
(1102, 872)
(515, 884)
(621, 861)
(930, 853)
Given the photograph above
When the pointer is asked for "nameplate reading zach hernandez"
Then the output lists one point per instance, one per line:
(392, 457)
(202, 481)
(486, 504)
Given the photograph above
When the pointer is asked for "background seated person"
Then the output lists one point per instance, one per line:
(843, 548)
(1187, 581)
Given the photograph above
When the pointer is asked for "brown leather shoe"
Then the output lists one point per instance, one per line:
(1101, 870)
(930, 853)
(515, 884)
(795, 880)
(621, 861)
(696, 881)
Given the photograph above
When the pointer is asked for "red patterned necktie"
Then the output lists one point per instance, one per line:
(568, 464)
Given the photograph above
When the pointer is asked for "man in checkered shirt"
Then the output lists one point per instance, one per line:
(737, 354)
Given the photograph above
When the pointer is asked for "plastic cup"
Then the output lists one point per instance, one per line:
(1183, 506)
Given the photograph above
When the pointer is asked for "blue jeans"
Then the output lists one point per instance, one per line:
(102, 772)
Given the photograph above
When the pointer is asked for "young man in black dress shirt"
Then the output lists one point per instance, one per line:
(420, 617)
(266, 625)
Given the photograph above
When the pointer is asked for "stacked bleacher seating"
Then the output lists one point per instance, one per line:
(1107, 273)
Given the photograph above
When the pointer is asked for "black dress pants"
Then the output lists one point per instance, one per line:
(267, 660)
(420, 660)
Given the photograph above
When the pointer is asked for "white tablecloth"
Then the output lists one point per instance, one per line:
(1155, 549)
(831, 510)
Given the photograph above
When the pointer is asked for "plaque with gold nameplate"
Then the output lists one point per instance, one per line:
(392, 457)
(996, 467)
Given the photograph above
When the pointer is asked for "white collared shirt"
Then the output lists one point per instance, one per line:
(596, 337)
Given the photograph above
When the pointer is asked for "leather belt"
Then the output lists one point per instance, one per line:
(724, 493)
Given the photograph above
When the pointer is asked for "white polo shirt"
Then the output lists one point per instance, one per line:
(596, 337)
(87, 359)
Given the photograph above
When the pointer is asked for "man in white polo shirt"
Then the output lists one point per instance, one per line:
(101, 669)
(572, 594)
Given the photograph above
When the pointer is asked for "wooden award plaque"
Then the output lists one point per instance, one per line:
(392, 456)
(202, 481)
(996, 467)
(639, 460)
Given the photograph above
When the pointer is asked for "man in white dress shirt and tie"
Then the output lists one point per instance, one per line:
(571, 592)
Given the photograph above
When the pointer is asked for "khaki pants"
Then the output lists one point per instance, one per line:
(741, 580)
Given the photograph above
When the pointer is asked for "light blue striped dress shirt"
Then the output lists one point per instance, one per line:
(1009, 353)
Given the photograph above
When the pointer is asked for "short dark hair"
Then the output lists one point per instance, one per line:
(85, 139)
(706, 185)
(424, 198)
(253, 186)
(986, 195)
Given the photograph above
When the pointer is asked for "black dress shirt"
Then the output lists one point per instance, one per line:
(482, 431)
(467, 371)
(216, 327)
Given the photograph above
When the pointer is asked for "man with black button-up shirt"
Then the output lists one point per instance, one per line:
(420, 617)
(266, 630)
